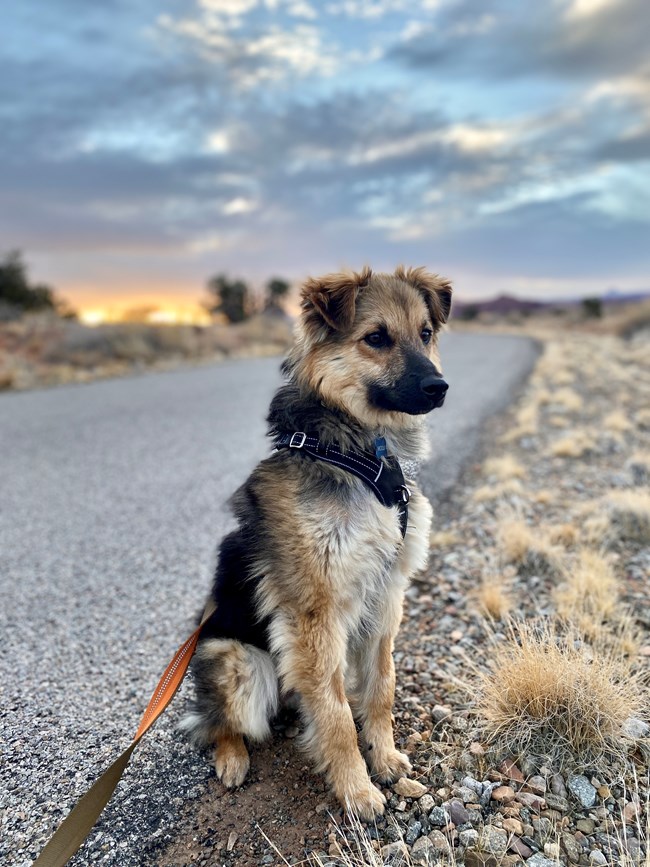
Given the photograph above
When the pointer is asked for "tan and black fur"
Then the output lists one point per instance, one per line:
(309, 587)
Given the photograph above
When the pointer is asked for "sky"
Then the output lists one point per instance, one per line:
(146, 145)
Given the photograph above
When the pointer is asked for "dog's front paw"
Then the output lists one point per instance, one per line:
(366, 804)
(389, 766)
(231, 763)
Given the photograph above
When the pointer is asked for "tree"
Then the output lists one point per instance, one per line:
(592, 308)
(229, 297)
(18, 295)
(276, 289)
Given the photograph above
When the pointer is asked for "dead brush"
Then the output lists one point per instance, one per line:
(547, 694)
(493, 598)
(507, 488)
(629, 515)
(530, 550)
(504, 468)
(639, 467)
(589, 594)
(574, 445)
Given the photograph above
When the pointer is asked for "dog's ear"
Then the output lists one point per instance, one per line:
(332, 299)
(435, 290)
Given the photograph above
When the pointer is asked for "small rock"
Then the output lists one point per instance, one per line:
(597, 858)
(423, 853)
(457, 812)
(582, 790)
(636, 728)
(413, 831)
(441, 712)
(557, 802)
(503, 794)
(539, 860)
(438, 817)
(519, 847)
(536, 784)
(474, 785)
(394, 851)
(533, 802)
(476, 749)
(426, 803)
(468, 839)
(543, 827)
(586, 826)
(552, 850)
(571, 847)
(474, 858)
(510, 770)
(232, 839)
(467, 795)
(557, 786)
(513, 826)
(493, 840)
(409, 788)
(439, 842)
(630, 811)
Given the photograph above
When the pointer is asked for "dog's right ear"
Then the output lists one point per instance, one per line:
(332, 299)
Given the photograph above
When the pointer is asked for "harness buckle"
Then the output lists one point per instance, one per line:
(297, 444)
(405, 494)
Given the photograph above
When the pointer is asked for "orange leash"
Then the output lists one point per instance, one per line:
(79, 822)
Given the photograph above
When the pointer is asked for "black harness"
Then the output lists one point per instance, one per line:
(383, 476)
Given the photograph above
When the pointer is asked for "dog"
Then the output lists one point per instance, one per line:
(309, 588)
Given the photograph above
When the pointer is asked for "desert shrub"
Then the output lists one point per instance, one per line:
(530, 550)
(550, 695)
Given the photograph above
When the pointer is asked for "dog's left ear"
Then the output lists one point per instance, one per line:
(332, 299)
(435, 290)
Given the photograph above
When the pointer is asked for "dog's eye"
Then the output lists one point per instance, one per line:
(377, 339)
(426, 335)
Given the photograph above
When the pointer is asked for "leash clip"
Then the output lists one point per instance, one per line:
(300, 444)
(404, 493)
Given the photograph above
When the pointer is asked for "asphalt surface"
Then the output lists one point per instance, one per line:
(112, 501)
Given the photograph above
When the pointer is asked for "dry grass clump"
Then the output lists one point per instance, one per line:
(617, 422)
(567, 399)
(575, 445)
(549, 695)
(526, 423)
(643, 419)
(563, 534)
(529, 549)
(493, 598)
(629, 515)
(504, 468)
(444, 539)
(496, 491)
(589, 595)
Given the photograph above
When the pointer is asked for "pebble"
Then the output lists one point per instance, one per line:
(493, 840)
(439, 842)
(510, 770)
(536, 784)
(413, 831)
(586, 826)
(457, 812)
(467, 795)
(393, 851)
(582, 790)
(438, 817)
(503, 794)
(232, 839)
(423, 852)
(468, 839)
(597, 858)
(557, 802)
(636, 728)
(441, 712)
(519, 847)
(409, 788)
(513, 826)
(571, 847)
(539, 860)
(474, 785)
(426, 803)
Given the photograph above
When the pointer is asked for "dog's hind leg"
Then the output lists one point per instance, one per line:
(236, 696)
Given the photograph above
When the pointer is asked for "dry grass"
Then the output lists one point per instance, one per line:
(493, 599)
(575, 445)
(568, 399)
(497, 491)
(639, 466)
(643, 419)
(563, 534)
(548, 695)
(529, 549)
(589, 594)
(617, 422)
(504, 468)
(629, 515)
(444, 539)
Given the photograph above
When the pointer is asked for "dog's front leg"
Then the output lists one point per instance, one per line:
(375, 694)
(313, 664)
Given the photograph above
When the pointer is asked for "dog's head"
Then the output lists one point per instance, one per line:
(367, 343)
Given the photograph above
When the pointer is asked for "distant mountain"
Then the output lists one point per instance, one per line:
(505, 304)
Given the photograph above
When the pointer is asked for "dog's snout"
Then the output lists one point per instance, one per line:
(434, 386)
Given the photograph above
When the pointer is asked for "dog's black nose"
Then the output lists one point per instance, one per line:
(434, 386)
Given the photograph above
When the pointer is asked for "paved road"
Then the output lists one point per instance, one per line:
(111, 503)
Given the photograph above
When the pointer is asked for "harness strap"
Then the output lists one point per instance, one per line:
(383, 476)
